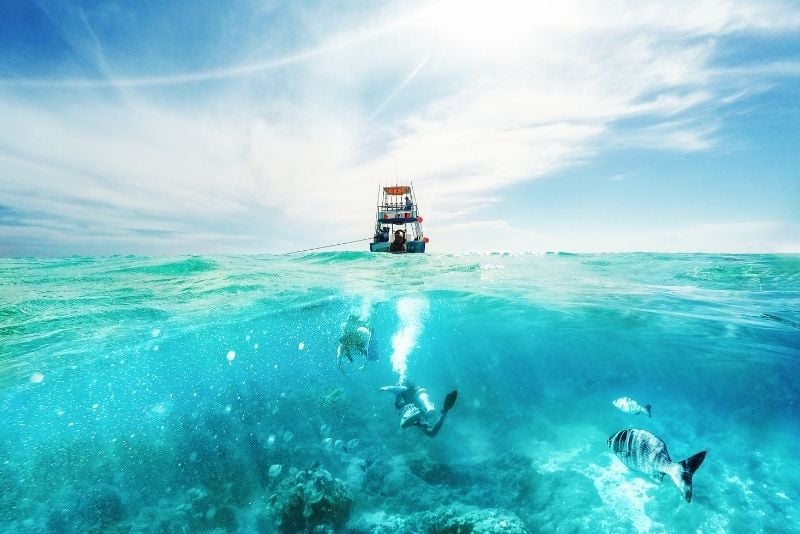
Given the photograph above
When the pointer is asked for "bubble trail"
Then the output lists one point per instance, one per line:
(412, 312)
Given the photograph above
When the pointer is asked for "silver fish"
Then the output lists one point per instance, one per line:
(645, 452)
(628, 405)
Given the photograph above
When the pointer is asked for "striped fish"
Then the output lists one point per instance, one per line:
(644, 452)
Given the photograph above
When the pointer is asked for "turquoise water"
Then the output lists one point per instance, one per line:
(191, 394)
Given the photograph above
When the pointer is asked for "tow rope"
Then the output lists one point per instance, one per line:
(328, 246)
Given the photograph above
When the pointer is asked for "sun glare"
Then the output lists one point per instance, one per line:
(482, 26)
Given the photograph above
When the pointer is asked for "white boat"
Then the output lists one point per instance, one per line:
(398, 225)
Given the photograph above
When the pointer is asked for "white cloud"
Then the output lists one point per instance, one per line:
(465, 98)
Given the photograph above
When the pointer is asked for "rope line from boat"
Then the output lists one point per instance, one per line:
(329, 246)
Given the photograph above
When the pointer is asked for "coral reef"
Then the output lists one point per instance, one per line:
(312, 500)
(456, 520)
(512, 472)
(203, 511)
(195, 509)
(91, 509)
(451, 519)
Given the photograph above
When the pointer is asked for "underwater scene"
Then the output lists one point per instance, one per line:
(374, 393)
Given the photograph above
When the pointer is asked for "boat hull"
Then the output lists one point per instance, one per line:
(411, 246)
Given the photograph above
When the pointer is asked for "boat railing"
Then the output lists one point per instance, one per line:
(395, 206)
(398, 214)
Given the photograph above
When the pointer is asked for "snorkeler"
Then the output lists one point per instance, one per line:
(354, 343)
(417, 409)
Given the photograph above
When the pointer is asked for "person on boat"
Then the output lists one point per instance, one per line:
(416, 408)
(399, 241)
(409, 203)
(383, 235)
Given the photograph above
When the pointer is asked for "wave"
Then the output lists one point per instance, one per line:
(187, 266)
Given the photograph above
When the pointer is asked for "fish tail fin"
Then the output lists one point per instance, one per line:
(691, 464)
(688, 467)
(647, 410)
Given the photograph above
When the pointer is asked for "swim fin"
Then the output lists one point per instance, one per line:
(450, 400)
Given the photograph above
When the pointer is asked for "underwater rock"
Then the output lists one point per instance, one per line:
(455, 520)
(450, 519)
(193, 510)
(203, 510)
(223, 518)
(102, 506)
(98, 507)
(312, 501)
(394, 524)
(392, 484)
(432, 471)
(513, 473)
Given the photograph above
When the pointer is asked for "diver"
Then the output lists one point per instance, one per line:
(354, 342)
(417, 409)
(399, 241)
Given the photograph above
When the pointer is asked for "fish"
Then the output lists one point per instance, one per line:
(646, 453)
(628, 405)
(335, 395)
(311, 466)
(275, 470)
(365, 465)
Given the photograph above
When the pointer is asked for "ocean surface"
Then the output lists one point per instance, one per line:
(211, 394)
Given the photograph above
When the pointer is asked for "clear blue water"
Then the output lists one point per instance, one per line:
(152, 394)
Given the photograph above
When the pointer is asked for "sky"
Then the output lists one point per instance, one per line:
(197, 127)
